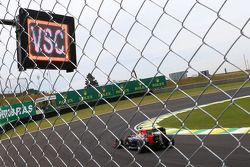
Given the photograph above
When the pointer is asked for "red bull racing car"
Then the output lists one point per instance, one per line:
(144, 139)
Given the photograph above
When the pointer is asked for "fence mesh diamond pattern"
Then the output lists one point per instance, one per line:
(157, 83)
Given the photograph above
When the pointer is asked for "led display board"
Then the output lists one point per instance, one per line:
(45, 41)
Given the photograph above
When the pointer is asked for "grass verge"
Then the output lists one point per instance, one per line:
(105, 108)
(228, 115)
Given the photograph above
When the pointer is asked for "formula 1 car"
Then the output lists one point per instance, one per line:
(144, 139)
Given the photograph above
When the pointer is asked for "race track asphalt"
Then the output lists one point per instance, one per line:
(90, 142)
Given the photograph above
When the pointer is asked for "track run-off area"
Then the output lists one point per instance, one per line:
(89, 142)
(154, 122)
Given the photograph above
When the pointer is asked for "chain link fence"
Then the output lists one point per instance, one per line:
(141, 65)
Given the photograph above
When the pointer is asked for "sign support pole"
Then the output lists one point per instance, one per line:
(8, 22)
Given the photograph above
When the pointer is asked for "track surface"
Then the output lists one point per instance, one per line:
(89, 142)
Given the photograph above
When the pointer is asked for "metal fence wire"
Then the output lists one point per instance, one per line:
(139, 63)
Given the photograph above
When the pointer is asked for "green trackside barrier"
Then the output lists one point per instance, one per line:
(89, 94)
(72, 98)
(156, 82)
(10, 113)
(132, 87)
(108, 91)
(126, 87)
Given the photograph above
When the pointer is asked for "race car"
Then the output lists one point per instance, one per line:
(144, 139)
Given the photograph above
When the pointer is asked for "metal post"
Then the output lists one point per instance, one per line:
(7, 22)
